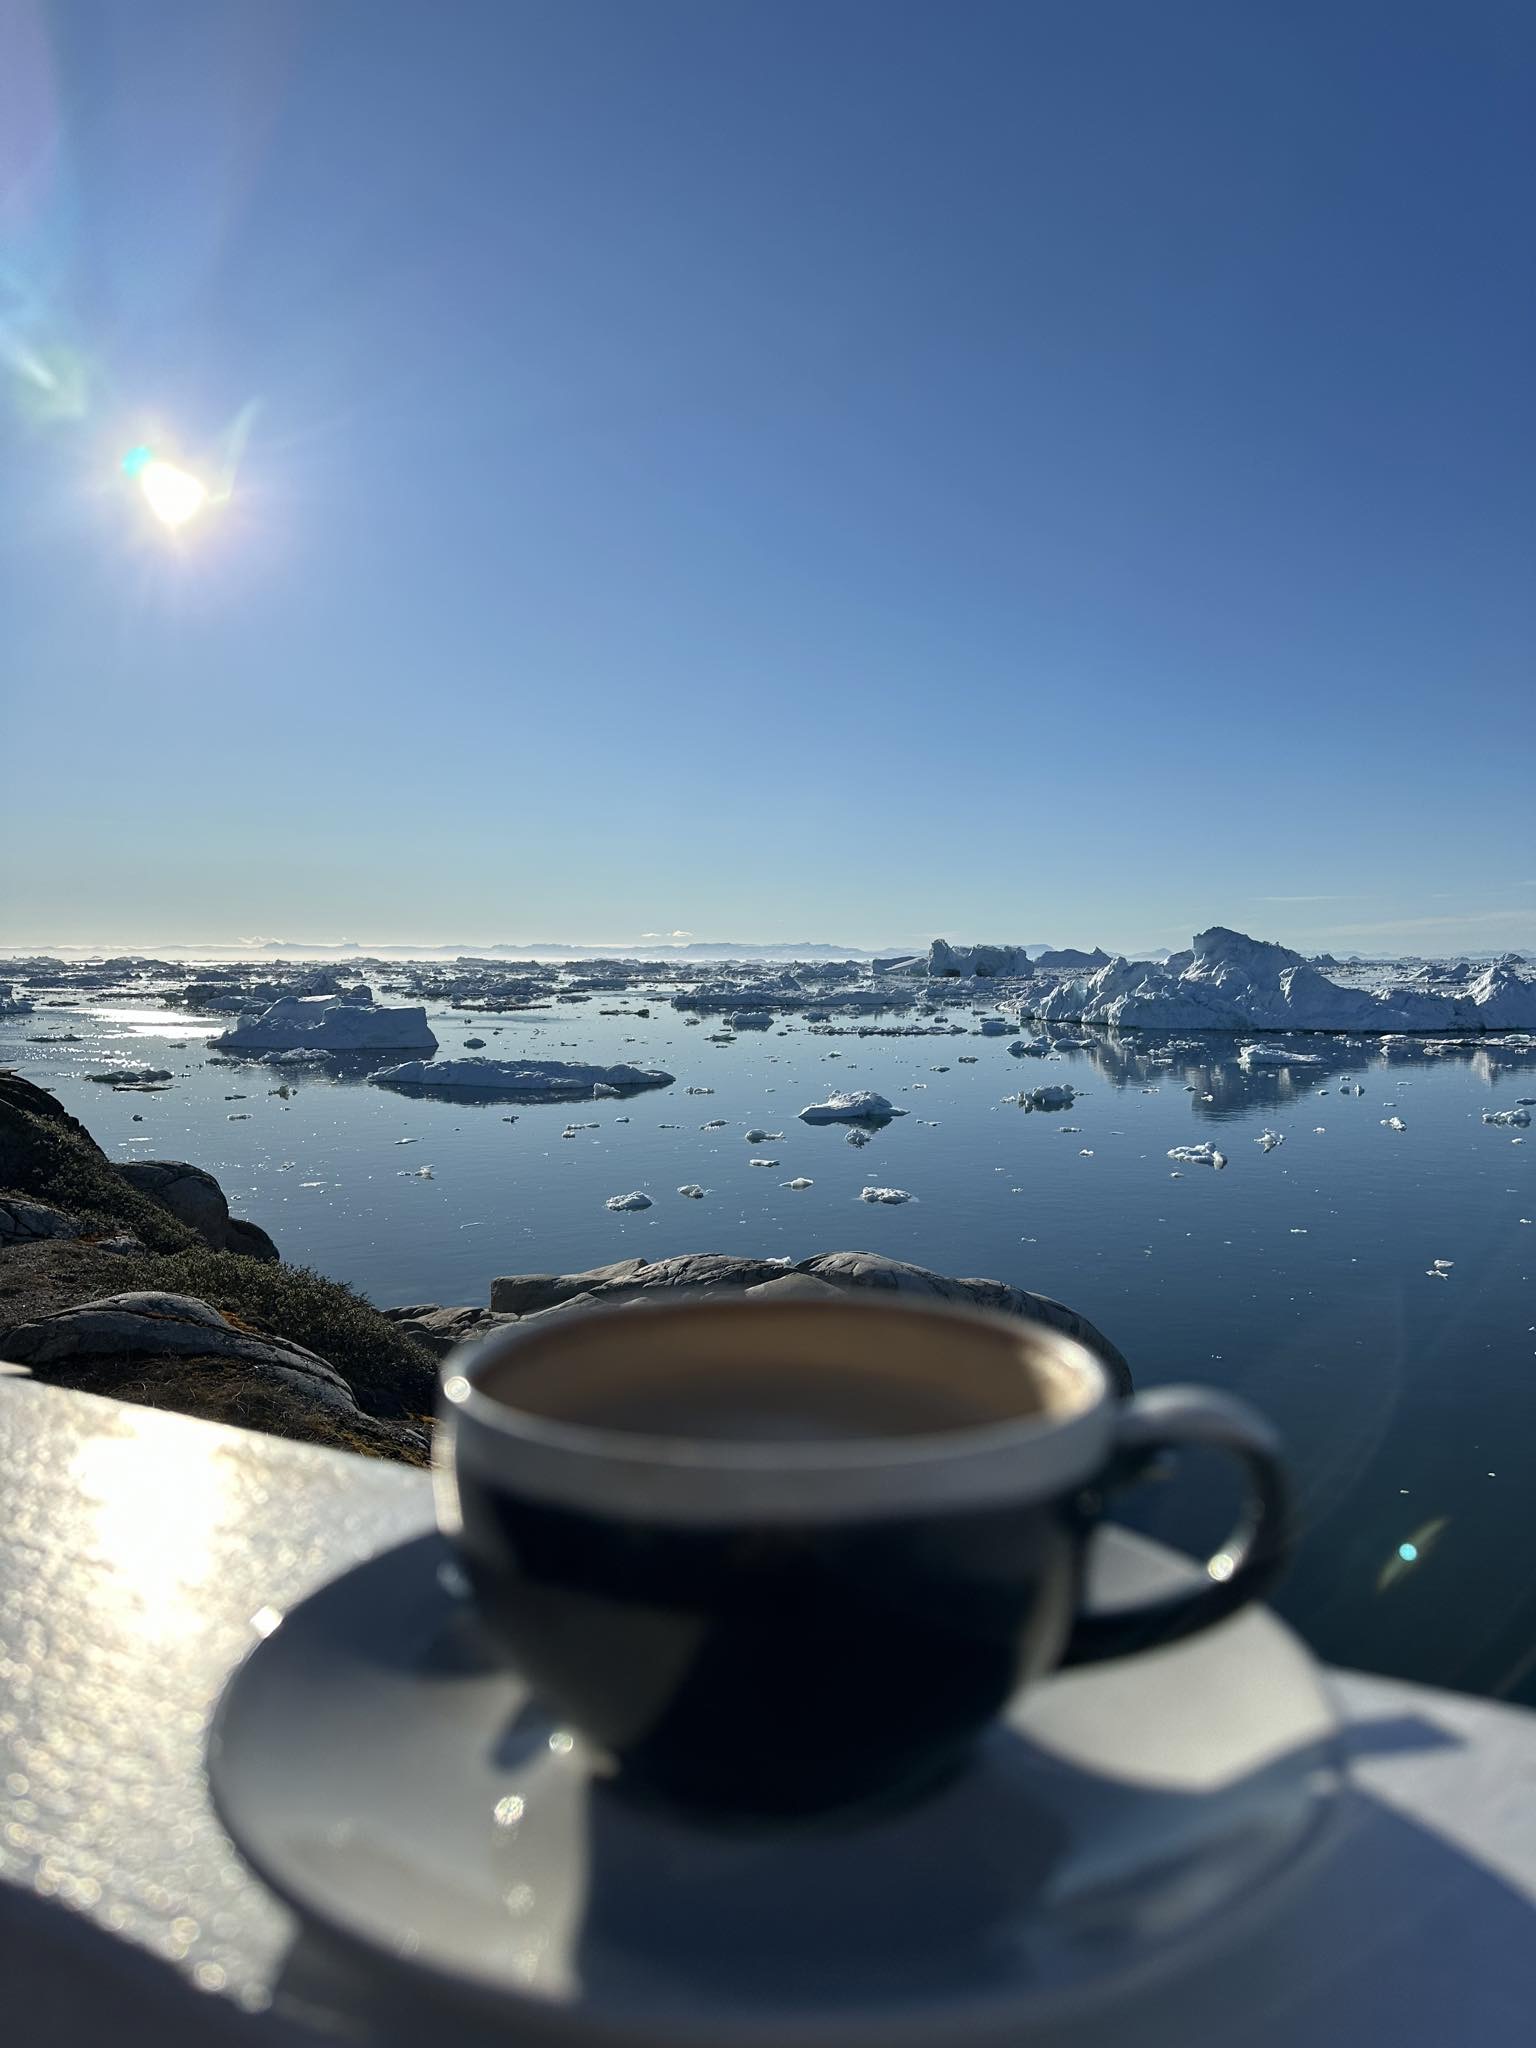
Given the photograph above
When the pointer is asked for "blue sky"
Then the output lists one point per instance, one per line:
(849, 471)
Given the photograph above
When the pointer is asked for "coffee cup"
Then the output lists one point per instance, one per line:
(773, 1558)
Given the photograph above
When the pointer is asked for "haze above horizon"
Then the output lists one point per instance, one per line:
(876, 472)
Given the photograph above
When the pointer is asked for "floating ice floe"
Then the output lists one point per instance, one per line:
(799, 1181)
(1270, 1139)
(633, 1200)
(1393, 1123)
(1029, 1048)
(1198, 1155)
(849, 1106)
(715, 1124)
(1276, 1056)
(857, 1137)
(525, 1080)
(1054, 1097)
(756, 1137)
(1507, 1116)
(698, 1091)
(692, 1190)
(885, 1195)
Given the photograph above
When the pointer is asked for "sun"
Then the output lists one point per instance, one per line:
(173, 494)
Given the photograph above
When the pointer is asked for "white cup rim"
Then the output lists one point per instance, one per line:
(1017, 1460)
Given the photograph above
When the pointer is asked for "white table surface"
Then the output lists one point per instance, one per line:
(139, 1553)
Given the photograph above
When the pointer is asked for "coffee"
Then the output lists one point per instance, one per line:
(720, 1401)
(849, 1377)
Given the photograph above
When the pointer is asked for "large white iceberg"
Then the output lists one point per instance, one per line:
(1230, 982)
(329, 1024)
(529, 1080)
(987, 962)
(851, 1106)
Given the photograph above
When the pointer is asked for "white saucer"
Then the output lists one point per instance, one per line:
(388, 1777)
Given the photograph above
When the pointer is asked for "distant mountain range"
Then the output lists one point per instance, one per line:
(562, 949)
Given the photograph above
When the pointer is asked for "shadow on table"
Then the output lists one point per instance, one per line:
(1396, 1935)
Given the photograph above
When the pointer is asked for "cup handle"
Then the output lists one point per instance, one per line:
(1253, 1556)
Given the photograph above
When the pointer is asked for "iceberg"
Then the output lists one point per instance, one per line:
(329, 1024)
(1054, 1097)
(851, 1106)
(1507, 1116)
(1276, 1056)
(891, 1195)
(1230, 982)
(978, 962)
(524, 1080)
(634, 1200)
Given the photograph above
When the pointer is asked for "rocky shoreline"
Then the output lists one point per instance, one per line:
(135, 1281)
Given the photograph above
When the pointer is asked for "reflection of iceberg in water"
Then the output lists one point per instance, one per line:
(1222, 1088)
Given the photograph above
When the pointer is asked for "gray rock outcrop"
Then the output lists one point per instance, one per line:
(703, 1275)
(154, 1326)
(196, 1199)
(24, 1222)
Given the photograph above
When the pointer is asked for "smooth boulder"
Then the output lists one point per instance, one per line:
(148, 1325)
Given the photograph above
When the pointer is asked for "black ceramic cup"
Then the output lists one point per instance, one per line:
(775, 1558)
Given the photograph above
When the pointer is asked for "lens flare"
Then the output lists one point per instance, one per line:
(173, 495)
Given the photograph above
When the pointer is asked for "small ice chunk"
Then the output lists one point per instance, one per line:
(692, 1190)
(1270, 1139)
(762, 1162)
(1198, 1155)
(885, 1195)
(698, 1091)
(799, 1181)
(858, 1137)
(716, 1124)
(1393, 1123)
(1055, 1096)
(755, 1137)
(1507, 1116)
(633, 1200)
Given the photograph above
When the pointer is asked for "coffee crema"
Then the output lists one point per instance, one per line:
(788, 1404)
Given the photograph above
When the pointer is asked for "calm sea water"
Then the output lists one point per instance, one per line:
(1302, 1278)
